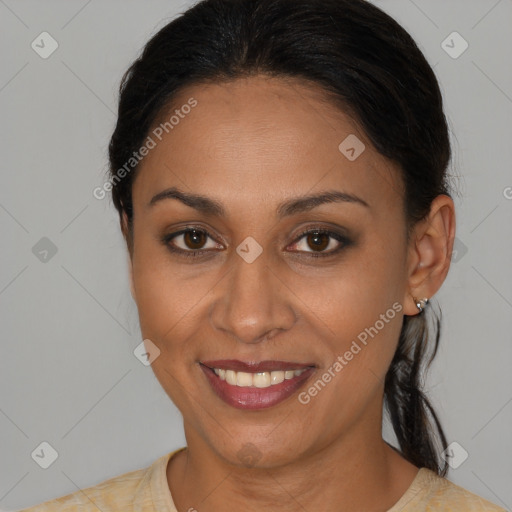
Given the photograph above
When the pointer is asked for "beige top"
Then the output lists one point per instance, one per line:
(146, 490)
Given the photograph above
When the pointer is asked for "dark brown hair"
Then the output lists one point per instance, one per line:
(371, 68)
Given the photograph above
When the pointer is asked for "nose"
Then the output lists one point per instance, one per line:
(253, 303)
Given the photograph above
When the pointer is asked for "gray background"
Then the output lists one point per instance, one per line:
(69, 326)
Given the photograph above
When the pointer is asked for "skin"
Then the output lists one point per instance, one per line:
(252, 144)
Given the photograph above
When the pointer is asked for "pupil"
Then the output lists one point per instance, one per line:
(194, 235)
(317, 243)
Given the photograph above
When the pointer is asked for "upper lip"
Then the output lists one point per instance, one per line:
(254, 366)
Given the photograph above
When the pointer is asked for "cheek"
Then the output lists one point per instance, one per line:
(360, 303)
(161, 295)
(353, 293)
(172, 301)
(169, 307)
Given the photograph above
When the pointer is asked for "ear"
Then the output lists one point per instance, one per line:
(126, 235)
(429, 252)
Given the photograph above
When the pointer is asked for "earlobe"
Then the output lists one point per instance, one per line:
(430, 253)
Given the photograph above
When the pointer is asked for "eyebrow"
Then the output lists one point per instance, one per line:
(292, 206)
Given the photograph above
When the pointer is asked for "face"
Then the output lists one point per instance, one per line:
(267, 279)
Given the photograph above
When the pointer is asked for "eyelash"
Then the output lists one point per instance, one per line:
(344, 241)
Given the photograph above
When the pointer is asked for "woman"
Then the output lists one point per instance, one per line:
(279, 168)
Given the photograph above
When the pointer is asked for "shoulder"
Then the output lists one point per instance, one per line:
(433, 493)
(118, 493)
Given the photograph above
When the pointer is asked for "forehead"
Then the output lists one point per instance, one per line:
(258, 138)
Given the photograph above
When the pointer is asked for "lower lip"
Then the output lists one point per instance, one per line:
(252, 397)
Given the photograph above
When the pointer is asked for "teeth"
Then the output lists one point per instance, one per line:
(258, 380)
(243, 379)
(231, 377)
(276, 377)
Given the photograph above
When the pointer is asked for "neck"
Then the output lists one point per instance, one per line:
(355, 472)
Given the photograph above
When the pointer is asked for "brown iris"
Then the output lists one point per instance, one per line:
(320, 240)
(194, 237)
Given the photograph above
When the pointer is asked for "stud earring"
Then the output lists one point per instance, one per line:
(421, 303)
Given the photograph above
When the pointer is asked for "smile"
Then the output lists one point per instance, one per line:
(259, 379)
(255, 385)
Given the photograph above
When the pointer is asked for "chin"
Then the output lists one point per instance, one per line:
(250, 453)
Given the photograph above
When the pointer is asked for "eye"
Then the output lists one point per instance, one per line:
(319, 240)
(189, 241)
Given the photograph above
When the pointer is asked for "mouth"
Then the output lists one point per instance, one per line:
(255, 385)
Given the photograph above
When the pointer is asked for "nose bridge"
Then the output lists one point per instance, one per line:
(253, 304)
